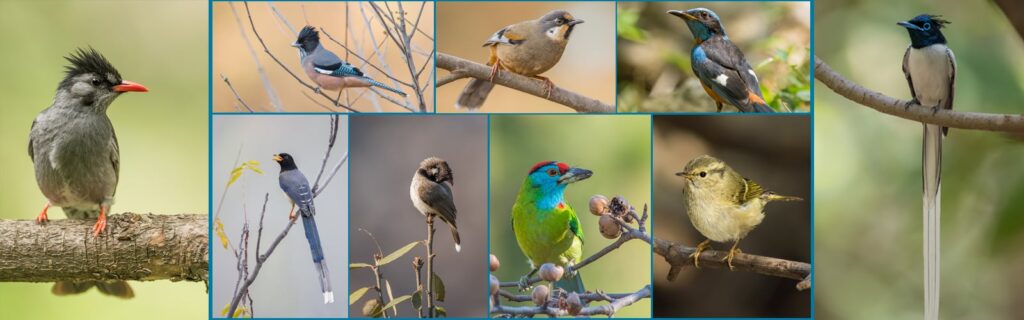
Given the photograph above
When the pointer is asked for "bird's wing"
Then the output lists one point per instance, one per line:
(948, 103)
(115, 156)
(295, 185)
(724, 82)
(326, 62)
(726, 54)
(906, 72)
(439, 197)
(574, 223)
(749, 191)
(507, 35)
(31, 151)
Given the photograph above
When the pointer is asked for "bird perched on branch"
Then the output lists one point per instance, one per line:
(546, 227)
(75, 153)
(327, 70)
(431, 193)
(720, 65)
(527, 48)
(295, 185)
(930, 68)
(723, 205)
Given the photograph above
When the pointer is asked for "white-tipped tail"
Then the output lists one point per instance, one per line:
(328, 297)
(458, 248)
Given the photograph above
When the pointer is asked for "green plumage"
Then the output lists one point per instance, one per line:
(548, 236)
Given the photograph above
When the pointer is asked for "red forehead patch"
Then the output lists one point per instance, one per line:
(562, 167)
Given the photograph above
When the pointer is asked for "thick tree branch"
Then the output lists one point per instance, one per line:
(532, 86)
(912, 111)
(678, 256)
(143, 247)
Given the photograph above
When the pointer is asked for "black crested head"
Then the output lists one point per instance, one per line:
(925, 30)
(286, 161)
(89, 61)
(308, 39)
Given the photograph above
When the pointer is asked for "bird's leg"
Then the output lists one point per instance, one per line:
(41, 218)
(524, 282)
(494, 69)
(548, 86)
(291, 212)
(719, 105)
(696, 253)
(732, 254)
(101, 222)
(910, 103)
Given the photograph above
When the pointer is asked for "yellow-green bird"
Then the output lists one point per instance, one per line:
(546, 227)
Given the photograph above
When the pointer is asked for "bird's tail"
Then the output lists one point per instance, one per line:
(376, 83)
(474, 94)
(455, 237)
(119, 289)
(761, 107)
(932, 177)
(571, 282)
(313, 237)
(771, 196)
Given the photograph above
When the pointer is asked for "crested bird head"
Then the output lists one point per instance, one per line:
(92, 81)
(308, 40)
(558, 24)
(437, 170)
(703, 23)
(705, 172)
(286, 161)
(925, 30)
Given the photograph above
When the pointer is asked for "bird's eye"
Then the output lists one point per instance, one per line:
(926, 26)
(95, 81)
(552, 172)
(703, 15)
(703, 174)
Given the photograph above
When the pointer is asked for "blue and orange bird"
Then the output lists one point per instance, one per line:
(327, 70)
(720, 65)
(295, 185)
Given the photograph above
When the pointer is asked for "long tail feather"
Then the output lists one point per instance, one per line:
(376, 83)
(313, 237)
(763, 108)
(932, 188)
(474, 94)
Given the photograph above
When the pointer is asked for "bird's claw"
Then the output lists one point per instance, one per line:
(696, 253)
(292, 216)
(730, 256)
(494, 70)
(524, 283)
(100, 225)
(42, 218)
(548, 86)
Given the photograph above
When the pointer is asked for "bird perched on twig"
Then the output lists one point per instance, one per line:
(723, 205)
(327, 70)
(527, 48)
(75, 153)
(720, 65)
(295, 185)
(546, 227)
(930, 68)
(431, 193)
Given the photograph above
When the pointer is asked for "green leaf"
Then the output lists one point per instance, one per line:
(396, 301)
(358, 265)
(397, 254)
(438, 288)
(440, 311)
(417, 299)
(356, 295)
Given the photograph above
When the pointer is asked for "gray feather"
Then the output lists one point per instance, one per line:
(295, 185)
(474, 94)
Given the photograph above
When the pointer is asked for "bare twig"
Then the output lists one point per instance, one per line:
(607, 309)
(535, 87)
(913, 111)
(228, 82)
(271, 93)
(454, 75)
(430, 267)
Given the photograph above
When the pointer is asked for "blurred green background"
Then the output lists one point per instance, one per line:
(654, 54)
(161, 45)
(586, 66)
(386, 150)
(241, 138)
(616, 149)
(868, 175)
(773, 151)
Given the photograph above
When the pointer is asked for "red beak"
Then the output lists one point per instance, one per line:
(127, 86)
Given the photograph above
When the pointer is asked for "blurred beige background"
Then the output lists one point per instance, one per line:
(587, 66)
(386, 151)
(232, 59)
(775, 152)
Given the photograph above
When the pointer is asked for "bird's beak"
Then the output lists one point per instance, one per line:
(682, 14)
(575, 174)
(575, 22)
(278, 158)
(296, 44)
(684, 174)
(127, 86)
(908, 25)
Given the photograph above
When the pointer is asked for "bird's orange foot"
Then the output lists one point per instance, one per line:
(42, 218)
(548, 86)
(494, 70)
(696, 253)
(101, 223)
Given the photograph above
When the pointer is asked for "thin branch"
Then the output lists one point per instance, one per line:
(913, 111)
(514, 81)
(228, 82)
(332, 137)
(367, 62)
(430, 267)
(303, 83)
(550, 310)
(453, 76)
(143, 247)
(271, 93)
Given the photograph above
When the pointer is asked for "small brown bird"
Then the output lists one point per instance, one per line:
(431, 193)
(527, 48)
